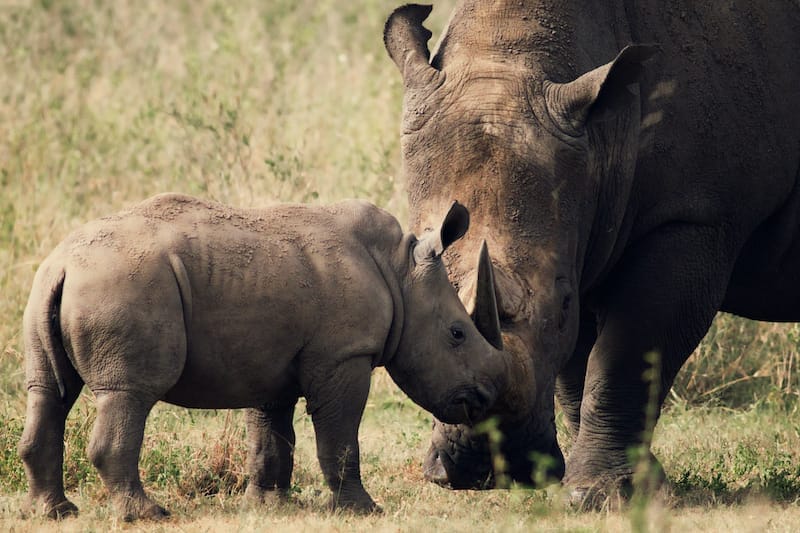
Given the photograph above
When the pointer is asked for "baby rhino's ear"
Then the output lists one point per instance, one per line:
(454, 226)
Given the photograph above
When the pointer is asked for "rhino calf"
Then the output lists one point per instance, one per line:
(205, 306)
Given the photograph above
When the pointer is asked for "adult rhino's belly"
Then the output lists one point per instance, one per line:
(764, 284)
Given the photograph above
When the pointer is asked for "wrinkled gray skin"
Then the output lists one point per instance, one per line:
(206, 306)
(627, 192)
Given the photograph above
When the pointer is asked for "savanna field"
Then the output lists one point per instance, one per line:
(103, 104)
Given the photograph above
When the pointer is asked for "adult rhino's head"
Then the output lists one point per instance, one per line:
(525, 138)
(442, 361)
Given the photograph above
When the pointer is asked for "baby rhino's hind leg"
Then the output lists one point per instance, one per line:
(270, 459)
(130, 359)
(41, 447)
(114, 450)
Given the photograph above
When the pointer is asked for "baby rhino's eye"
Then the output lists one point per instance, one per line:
(457, 333)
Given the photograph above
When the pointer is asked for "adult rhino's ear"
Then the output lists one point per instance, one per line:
(454, 226)
(600, 90)
(406, 40)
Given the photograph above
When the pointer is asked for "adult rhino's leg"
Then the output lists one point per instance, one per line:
(114, 449)
(336, 399)
(661, 300)
(41, 447)
(270, 458)
(571, 379)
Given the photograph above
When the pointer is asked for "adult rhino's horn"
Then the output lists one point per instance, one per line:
(406, 40)
(484, 311)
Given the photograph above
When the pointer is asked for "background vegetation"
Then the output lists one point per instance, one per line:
(105, 103)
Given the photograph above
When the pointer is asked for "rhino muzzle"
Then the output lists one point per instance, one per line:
(461, 458)
(457, 461)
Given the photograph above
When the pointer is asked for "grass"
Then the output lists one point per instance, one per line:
(103, 104)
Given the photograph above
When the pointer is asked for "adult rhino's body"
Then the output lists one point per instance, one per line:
(624, 203)
(203, 305)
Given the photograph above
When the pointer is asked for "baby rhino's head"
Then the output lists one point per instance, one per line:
(443, 361)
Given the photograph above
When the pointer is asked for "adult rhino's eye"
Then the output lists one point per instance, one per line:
(457, 333)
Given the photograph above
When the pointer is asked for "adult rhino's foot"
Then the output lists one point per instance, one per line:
(602, 496)
(591, 487)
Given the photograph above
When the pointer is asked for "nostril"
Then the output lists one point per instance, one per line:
(477, 400)
(467, 402)
(435, 471)
(465, 398)
(484, 394)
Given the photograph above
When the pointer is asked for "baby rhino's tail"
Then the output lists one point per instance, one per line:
(46, 360)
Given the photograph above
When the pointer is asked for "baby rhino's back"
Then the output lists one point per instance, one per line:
(232, 298)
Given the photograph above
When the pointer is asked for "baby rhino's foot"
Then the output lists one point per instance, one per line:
(142, 509)
(255, 495)
(358, 505)
(54, 508)
(63, 509)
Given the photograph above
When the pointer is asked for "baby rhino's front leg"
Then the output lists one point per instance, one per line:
(270, 456)
(336, 401)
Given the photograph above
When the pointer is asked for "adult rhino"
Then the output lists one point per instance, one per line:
(627, 192)
(206, 306)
